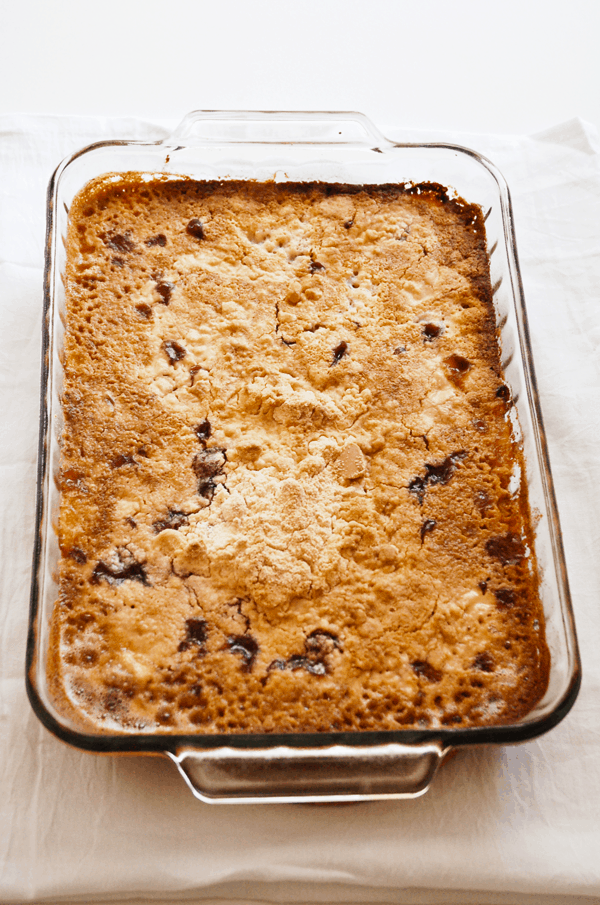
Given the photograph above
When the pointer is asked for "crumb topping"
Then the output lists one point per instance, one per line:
(288, 469)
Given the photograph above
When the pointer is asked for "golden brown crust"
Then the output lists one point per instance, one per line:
(286, 465)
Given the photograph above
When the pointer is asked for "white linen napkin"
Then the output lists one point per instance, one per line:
(512, 826)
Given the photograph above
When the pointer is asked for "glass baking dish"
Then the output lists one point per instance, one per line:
(296, 147)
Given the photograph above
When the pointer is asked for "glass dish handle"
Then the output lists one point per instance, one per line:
(284, 775)
(257, 127)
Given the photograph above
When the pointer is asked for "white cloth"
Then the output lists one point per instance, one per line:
(512, 826)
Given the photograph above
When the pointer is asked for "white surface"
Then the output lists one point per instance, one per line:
(511, 66)
(514, 826)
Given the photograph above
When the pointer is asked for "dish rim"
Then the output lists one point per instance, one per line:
(158, 742)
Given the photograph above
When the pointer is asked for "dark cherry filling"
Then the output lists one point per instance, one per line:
(174, 351)
(207, 465)
(164, 289)
(195, 635)
(457, 367)
(144, 310)
(203, 430)
(339, 352)
(484, 662)
(195, 228)
(117, 574)
(506, 599)
(277, 664)
(425, 669)
(427, 526)
(297, 661)
(435, 474)
(173, 520)
(247, 647)
(120, 460)
(317, 648)
(160, 239)
(121, 243)
(508, 549)
(321, 643)
(431, 332)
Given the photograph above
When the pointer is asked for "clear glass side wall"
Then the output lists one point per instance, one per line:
(346, 163)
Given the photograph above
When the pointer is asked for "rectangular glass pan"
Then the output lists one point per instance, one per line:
(296, 147)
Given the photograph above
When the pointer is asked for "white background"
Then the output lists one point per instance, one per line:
(507, 826)
(513, 66)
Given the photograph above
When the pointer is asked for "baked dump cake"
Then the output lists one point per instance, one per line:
(289, 494)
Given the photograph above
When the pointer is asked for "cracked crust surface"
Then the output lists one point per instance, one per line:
(286, 466)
